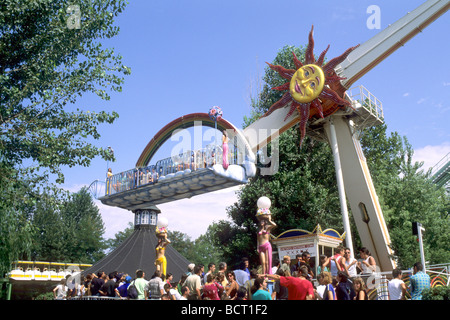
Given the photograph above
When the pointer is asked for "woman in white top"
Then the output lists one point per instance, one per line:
(60, 291)
(368, 265)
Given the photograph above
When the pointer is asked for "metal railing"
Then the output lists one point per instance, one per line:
(165, 168)
(368, 108)
(97, 298)
(440, 171)
(439, 276)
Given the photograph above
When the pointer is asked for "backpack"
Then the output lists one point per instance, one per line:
(132, 292)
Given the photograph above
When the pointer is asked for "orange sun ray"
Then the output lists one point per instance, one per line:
(306, 89)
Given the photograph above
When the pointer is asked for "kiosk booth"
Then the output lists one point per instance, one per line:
(318, 242)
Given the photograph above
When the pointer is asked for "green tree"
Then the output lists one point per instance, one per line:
(407, 195)
(83, 228)
(48, 238)
(112, 243)
(15, 228)
(45, 66)
(69, 229)
(182, 243)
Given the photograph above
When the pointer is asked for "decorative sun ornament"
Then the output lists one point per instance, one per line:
(309, 85)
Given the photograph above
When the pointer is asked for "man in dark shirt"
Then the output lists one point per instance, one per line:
(97, 283)
(344, 289)
(305, 261)
(108, 289)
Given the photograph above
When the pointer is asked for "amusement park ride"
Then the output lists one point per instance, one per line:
(322, 100)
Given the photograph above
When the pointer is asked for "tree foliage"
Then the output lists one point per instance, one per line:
(45, 67)
(407, 195)
(69, 229)
(201, 250)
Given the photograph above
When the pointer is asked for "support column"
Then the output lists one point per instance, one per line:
(329, 127)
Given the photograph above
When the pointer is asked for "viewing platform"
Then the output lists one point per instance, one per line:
(189, 174)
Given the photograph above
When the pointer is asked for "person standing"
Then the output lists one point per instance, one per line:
(298, 287)
(156, 286)
(211, 269)
(154, 176)
(349, 263)
(108, 181)
(344, 289)
(222, 273)
(194, 283)
(160, 250)
(96, 283)
(60, 291)
(295, 266)
(232, 287)
(184, 293)
(108, 288)
(280, 292)
(418, 282)
(121, 290)
(326, 280)
(241, 275)
(141, 285)
(368, 265)
(396, 287)
(305, 261)
(324, 262)
(212, 290)
(246, 262)
(335, 261)
(259, 291)
(360, 289)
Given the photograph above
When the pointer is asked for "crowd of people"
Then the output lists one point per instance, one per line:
(336, 276)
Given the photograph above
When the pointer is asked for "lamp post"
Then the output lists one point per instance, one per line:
(417, 230)
(215, 113)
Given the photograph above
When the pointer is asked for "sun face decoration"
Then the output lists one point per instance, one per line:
(309, 85)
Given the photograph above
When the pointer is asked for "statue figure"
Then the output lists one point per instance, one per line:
(160, 249)
(263, 237)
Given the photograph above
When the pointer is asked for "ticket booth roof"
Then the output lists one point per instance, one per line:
(317, 232)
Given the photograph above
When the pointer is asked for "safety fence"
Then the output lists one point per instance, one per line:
(97, 298)
(189, 160)
(377, 283)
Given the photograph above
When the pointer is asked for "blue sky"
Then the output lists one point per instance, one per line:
(186, 56)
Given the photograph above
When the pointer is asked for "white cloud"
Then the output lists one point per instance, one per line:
(193, 216)
(420, 100)
(446, 84)
(190, 216)
(406, 94)
(115, 219)
(431, 155)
